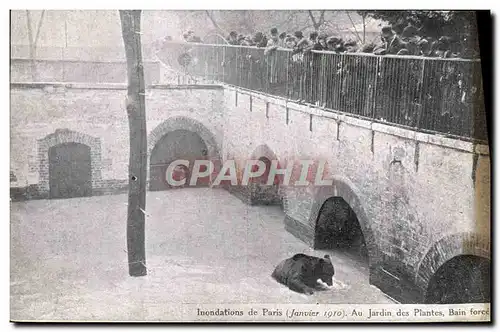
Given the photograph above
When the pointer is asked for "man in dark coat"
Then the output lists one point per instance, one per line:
(391, 42)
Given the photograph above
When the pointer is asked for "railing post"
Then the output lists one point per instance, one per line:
(310, 81)
(287, 85)
(375, 89)
(341, 83)
(223, 64)
(238, 71)
(421, 97)
(207, 75)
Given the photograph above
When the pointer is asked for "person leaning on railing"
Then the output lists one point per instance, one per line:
(233, 38)
(391, 42)
(272, 59)
(290, 42)
(282, 39)
(260, 39)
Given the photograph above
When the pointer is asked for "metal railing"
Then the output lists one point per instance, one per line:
(427, 94)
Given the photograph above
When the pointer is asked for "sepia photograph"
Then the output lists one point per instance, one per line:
(250, 165)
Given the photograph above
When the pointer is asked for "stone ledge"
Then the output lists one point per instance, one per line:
(350, 120)
(110, 86)
(395, 131)
(313, 110)
(69, 60)
(451, 143)
(69, 85)
(299, 230)
(186, 86)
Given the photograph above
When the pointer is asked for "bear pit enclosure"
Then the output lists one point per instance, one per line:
(203, 246)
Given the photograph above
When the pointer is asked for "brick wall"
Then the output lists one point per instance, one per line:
(43, 115)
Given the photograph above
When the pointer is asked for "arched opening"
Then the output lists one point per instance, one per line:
(462, 279)
(176, 145)
(262, 180)
(338, 228)
(262, 193)
(70, 170)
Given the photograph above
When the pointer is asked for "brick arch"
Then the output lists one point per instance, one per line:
(260, 193)
(184, 123)
(448, 247)
(343, 187)
(61, 136)
(263, 150)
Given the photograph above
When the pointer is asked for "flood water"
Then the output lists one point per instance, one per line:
(69, 260)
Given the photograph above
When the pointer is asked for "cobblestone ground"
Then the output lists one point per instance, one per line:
(69, 261)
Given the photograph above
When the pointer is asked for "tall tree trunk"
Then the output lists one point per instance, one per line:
(136, 111)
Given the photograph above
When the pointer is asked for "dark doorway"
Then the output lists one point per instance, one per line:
(70, 171)
(176, 145)
(337, 227)
(462, 279)
(264, 177)
(262, 193)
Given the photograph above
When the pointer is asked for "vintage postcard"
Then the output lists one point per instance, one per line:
(249, 166)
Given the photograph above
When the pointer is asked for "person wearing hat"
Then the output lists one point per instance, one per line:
(331, 42)
(259, 39)
(409, 33)
(391, 42)
(322, 42)
(415, 44)
(272, 61)
(241, 38)
(350, 46)
(335, 44)
(274, 42)
(274, 32)
(298, 34)
(290, 42)
(233, 38)
(318, 44)
(282, 38)
(247, 41)
(297, 72)
(302, 42)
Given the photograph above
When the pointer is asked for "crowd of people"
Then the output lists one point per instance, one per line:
(400, 91)
(409, 42)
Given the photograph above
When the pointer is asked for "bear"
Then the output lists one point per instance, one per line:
(301, 273)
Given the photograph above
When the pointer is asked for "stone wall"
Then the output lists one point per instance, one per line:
(409, 190)
(26, 71)
(420, 199)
